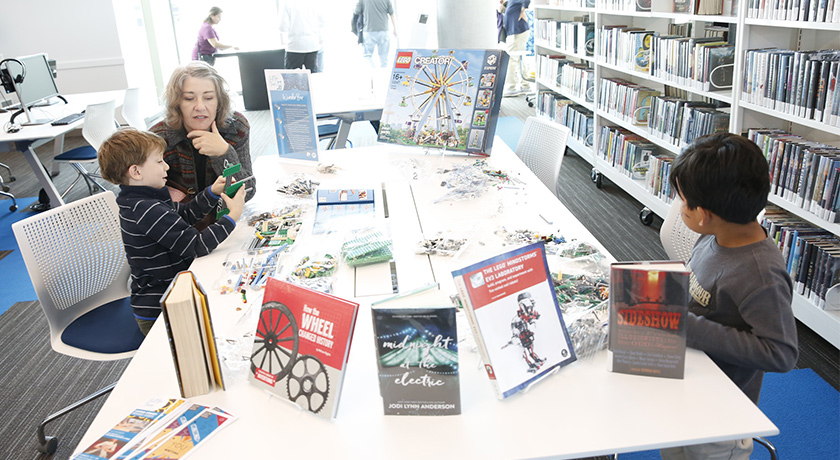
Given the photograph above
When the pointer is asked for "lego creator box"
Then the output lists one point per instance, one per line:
(444, 99)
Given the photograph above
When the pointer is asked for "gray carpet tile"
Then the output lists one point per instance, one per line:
(35, 381)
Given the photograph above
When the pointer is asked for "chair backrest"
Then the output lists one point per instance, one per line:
(75, 257)
(99, 123)
(677, 239)
(131, 109)
(541, 147)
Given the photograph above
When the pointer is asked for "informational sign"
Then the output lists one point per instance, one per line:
(445, 99)
(294, 118)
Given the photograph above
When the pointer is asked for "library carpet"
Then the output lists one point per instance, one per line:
(16, 286)
(804, 408)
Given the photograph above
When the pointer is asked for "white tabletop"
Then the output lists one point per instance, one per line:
(582, 410)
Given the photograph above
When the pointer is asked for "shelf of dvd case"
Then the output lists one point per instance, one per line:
(823, 322)
(585, 6)
(568, 54)
(798, 211)
(670, 15)
(636, 188)
(722, 96)
(641, 130)
(830, 26)
(791, 118)
(567, 94)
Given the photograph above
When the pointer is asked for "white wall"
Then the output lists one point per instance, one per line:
(80, 35)
(467, 24)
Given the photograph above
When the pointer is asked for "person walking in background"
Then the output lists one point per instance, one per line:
(208, 40)
(302, 26)
(517, 29)
(375, 14)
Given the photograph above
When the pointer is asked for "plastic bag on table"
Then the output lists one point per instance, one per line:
(367, 246)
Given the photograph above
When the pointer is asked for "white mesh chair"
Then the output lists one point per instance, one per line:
(131, 112)
(75, 257)
(99, 125)
(541, 147)
(677, 239)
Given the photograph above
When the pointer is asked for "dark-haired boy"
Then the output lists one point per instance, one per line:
(158, 235)
(740, 306)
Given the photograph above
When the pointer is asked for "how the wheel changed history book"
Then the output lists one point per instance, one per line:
(648, 310)
(417, 355)
(301, 345)
(513, 312)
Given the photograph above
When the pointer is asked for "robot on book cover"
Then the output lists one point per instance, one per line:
(522, 329)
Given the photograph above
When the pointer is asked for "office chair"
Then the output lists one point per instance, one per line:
(328, 127)
(131, 109)
(541, 147)
(4, 189)
(99, 125)
(678, 241)
(75, 257)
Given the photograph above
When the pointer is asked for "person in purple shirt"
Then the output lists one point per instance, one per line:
(208, 40)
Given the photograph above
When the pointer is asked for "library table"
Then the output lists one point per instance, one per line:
(581, 410)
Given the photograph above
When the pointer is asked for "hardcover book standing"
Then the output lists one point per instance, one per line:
(513, 312)
(648, 309)
(301, 345)
(445, 99)
(417, 355)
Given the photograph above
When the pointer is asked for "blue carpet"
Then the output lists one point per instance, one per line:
(509, 129)
(804, 407)
(16, 286)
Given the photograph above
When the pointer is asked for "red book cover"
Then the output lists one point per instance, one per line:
(301, 345)
(648, 310)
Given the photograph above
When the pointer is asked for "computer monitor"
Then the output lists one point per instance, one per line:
(37, 86)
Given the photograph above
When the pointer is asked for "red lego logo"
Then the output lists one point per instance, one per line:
(403, 60)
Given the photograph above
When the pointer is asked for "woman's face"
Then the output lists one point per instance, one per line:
(216, 18)
(198, 103)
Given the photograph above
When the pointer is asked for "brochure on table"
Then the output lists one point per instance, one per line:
(294, 118)
(447, 99)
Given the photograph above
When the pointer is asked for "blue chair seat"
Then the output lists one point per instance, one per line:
(84, 153)
(328, 129)
(110, 328)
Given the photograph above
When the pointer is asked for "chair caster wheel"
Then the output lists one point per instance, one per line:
(6, 188)
(13, 208)
(11, 178)
(646, 216)
(49, 446)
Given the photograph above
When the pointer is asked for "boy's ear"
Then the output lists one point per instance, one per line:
(706, 216)
(134, 172)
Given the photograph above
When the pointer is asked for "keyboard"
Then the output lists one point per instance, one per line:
(72, 118)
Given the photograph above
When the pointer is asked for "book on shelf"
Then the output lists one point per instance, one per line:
(189, 326)
(417, 354)
(301, 346)
(718, 67)
(510, 304)
(648, 316)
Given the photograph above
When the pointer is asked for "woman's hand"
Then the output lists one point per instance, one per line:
(209, 143)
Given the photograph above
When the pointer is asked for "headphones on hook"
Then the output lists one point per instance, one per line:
(8, 84)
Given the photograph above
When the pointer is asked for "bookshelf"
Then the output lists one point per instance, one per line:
(751, 28)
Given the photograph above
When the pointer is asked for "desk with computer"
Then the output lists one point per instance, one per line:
(42, 115)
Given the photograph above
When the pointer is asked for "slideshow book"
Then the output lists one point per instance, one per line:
(648, 315)
(417, 355)
(301, 345)
(510, 304)
(189, 326)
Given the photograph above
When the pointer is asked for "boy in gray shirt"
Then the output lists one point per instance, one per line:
(740, 306)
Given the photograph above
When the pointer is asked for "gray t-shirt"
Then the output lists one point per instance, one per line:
(741, 310)
(375, 14)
